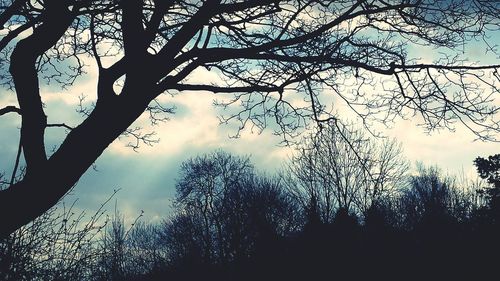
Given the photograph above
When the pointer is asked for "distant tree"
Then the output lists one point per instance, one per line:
(224, 210)
(428, 196)
(341, 168)
(119, 255)
(489, 169)
(270, 55)
(432, 199)
(182, 236)
(147, 250)
(203, 192)
(111, 263)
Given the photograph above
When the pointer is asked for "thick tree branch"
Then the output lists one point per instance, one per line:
(10, 11)
(165, 57)
(24, 73)
(9, 109)
(218, 89)
(75, 155)
(60, 125)
(446, 67)
(244, 5)
(14, 33)
(152, 26)
(133, 34)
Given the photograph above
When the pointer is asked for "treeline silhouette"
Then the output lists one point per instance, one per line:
(232, 223)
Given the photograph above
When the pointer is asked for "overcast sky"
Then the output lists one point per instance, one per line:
(146, 178)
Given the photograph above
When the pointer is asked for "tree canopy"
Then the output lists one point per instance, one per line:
(279, 60)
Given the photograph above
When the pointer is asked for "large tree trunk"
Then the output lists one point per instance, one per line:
(32, 196)
(48, 180)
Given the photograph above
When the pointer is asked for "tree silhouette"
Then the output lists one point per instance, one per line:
(429, 227)
(225, 213)
(265, 52)
(489, 169)
(126, 251)
(342, 168)
(432, 200)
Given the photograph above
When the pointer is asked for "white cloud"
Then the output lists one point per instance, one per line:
(452, 151)
(198, 127)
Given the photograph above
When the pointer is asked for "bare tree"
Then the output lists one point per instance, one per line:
(263, 51)
(147, 249)
(119, 255)
(224, 210)
(203, 192)
(341, 168)
(433, 199)
(59, 245)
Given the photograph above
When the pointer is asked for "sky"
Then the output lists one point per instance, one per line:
(146, 178)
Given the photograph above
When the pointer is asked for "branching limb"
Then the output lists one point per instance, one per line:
(220, 89)
(10, 11)
(25, 76)
(60, 125)
(9, 109)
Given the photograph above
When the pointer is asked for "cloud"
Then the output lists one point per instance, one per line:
(453, 151)
(147, 178)
(195, 126)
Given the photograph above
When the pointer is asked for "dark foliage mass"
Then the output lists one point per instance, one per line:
(232, 223)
